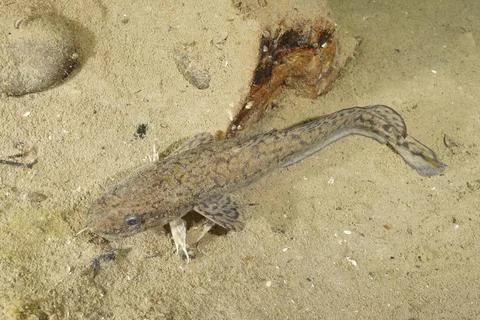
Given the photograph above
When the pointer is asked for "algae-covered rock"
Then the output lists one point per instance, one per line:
(37, 50)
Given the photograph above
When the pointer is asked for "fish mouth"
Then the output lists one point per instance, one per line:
(111, 235)
(91, 228)
(94, 232)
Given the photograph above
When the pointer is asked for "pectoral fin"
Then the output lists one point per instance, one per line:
(222, 210)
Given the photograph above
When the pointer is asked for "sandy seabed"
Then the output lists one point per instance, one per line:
(350, 233)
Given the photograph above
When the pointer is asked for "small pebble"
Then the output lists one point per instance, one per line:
(192, 71)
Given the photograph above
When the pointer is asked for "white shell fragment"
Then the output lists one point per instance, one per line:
(249, 105)
(352, 261)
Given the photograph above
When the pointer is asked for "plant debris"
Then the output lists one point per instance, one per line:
(26, 158)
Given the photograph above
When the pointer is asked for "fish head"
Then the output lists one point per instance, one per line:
(111, 217)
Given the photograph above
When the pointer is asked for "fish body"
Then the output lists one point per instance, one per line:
(203, 173)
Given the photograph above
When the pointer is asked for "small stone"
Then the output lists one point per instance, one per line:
(192, 71)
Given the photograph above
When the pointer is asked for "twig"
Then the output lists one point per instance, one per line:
(24, 159)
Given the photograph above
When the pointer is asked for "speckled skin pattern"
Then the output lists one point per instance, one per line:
(205, 169)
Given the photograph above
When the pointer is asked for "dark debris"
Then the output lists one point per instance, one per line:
(141, 131)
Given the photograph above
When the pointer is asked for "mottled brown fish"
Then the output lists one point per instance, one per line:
(203, 173)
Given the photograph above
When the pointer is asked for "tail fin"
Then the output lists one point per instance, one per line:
(378, 122)
(416, 155)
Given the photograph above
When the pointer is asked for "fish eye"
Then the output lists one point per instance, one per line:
(132, 220)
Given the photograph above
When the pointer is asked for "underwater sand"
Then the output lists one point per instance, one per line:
(350, 233)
